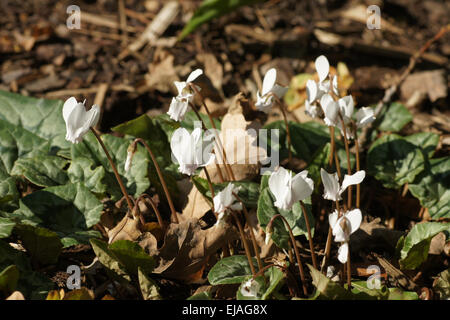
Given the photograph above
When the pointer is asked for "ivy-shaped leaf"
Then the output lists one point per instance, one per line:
(394, 161)
(416, 244)
(42, 170)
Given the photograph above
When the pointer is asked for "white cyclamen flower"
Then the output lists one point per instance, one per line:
(188, 150)
(322, 67)
(332, 190)
(330, 110)
(225, 199)
(180, 104)
(364, 116)
(265, 100)
(342, 228)
(250, 288)
(78, 120)
(289, 189)
(268, 237)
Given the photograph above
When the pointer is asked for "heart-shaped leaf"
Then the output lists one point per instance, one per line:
(230, 270)
(393, 118)
(416, 244)
(394, 161)
(42, 170)
(69, 210)
(432, 188)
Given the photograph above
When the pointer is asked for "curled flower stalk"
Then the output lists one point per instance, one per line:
(113, 166)
(160, 175)
(146, 197)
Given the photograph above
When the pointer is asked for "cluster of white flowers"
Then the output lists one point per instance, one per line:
(321, 93)
(287, 188)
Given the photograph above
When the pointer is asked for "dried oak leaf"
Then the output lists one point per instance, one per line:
(127, 229)
(187, 247)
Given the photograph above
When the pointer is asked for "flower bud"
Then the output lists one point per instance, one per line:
(130, 153)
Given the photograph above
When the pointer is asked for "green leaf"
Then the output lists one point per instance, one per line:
(432, 188)
(275, 276)
(42, 170)
(149, 289)
(69, 210)
(210, 9)
(427, 141)
(91, 166)
(33, 285)
(201, 296)
(417, 244)
(442, 285)
(399, 294)
(230, 270)
(266, 210)
(6, 227)
(16, 142)
(109, 259)
(155, 132)
(9, 196)
(43, 245)
(394, 161)
(248, 191)
(394, 118)
(191, 118)
(327, 288)
(41, 117)
(307, 138)
(8, 279)
(132, 256)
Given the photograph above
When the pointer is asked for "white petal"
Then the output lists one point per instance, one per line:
(364, 116)
(93, 115)
(180, 87)
(263, 103)
(332, 218)
(331, 185)
(311, 90)
(128, 161)
(343, 253)
(346, 105)
(269, 81)
(354, 217)
(178, 109)
(277, 184)
(177, 142)
(194, 75)
(279, 91)
(355, 178)
(322, 67)
(335, 85)
(68, 107)
(331, 114)
(302, 186)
